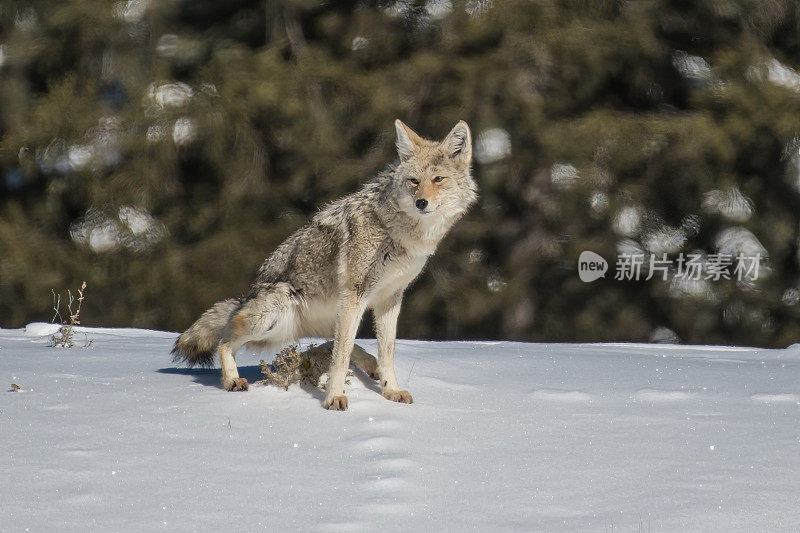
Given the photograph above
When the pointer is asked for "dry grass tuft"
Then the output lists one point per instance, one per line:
(64, 337)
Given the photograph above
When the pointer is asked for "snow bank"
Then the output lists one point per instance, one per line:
(501, 436)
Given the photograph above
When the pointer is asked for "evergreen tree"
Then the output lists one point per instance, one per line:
(160, 151)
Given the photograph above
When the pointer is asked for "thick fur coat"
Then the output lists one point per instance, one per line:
(360, 252)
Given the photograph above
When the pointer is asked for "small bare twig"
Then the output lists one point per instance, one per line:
(56, 307)
(408, 379)
(64, 337)
(74, 317)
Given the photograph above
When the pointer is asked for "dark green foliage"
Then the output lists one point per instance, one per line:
(278, 107)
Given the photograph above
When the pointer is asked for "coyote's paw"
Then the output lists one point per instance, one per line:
(237, 384)
(337, 403)
(401, 396)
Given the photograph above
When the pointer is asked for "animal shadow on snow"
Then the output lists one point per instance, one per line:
(210, 377)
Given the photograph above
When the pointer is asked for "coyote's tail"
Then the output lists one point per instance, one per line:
(196, 345)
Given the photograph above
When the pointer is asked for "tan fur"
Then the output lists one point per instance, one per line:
(241, 323)
(360, 252)
(360, 358)
(400, 396)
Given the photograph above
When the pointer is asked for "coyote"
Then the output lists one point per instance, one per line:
(360, 252)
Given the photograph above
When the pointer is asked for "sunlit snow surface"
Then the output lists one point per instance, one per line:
(501, 436)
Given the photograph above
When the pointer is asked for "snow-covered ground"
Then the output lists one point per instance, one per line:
(501, 436)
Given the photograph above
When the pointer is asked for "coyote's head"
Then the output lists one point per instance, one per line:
(433, 179)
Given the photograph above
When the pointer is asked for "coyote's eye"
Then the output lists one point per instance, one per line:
(415, 181)
(438, 179)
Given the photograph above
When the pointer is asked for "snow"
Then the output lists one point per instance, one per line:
(170, 94)
(730, 203)
(776, 73)
(492, 145)
(692, 67)
(563, 175)
(628, 220)
(134, 228)
(501, 436)
(131, 10)
(184, 131)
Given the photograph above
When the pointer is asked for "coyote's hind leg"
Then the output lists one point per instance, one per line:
(230, 373)
(265, 317)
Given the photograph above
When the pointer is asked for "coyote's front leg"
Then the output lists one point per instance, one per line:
(350, 311)
(386, 313)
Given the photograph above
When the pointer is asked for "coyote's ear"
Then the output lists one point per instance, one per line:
(458, 143)
(407, 140)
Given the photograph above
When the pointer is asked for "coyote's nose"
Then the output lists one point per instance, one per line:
(422, 203)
